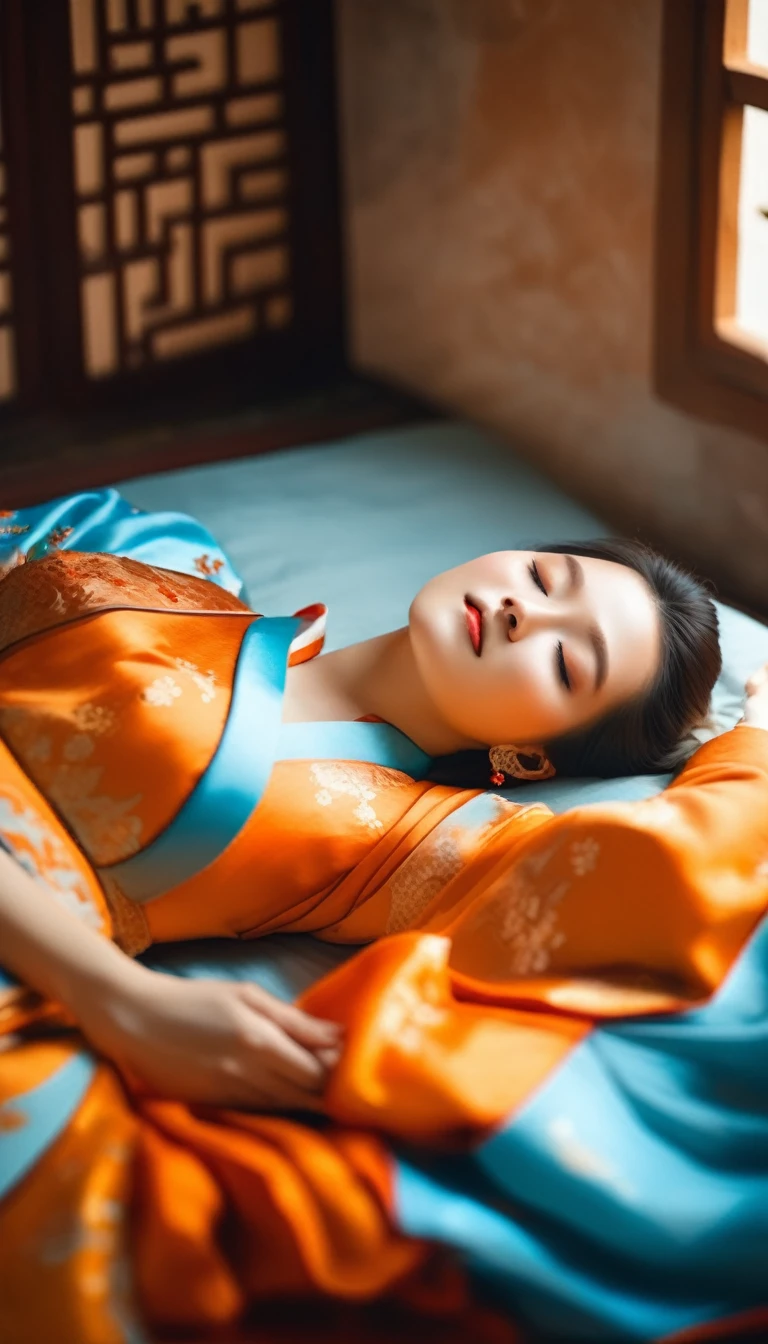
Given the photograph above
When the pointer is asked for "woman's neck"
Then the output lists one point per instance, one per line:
(377, 677)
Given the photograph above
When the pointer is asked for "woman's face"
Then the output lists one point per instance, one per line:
(522, 647)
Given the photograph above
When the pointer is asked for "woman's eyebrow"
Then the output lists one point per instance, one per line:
(596, 636)
(576, 572)
(597, 640)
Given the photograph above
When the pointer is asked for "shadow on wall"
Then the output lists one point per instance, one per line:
(500, 162)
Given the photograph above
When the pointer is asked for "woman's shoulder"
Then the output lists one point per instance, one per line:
(62, 586)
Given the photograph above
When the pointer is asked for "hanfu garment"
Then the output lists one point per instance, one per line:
(102, 520)
(556, 1043)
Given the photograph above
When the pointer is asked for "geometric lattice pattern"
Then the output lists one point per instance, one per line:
(181, 176)
(7, 334)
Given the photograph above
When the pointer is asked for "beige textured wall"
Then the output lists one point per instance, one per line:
(500, 177)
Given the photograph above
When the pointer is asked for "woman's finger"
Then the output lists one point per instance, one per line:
(314, 1032)
(286, 1057)
(329, 1056)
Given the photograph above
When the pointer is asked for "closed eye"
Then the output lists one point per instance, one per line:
(533, 570)
(562, 670)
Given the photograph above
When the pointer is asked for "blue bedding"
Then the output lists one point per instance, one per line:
(361, 524)
(626, 1198)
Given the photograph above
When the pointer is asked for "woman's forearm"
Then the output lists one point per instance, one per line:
(210, 1041)
(50, 949)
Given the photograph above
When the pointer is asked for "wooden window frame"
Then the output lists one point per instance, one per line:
(703, 363)
(46, 265)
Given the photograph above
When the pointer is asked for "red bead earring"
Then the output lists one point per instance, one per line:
(508, 761)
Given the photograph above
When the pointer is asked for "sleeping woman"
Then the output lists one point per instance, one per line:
(175, 767)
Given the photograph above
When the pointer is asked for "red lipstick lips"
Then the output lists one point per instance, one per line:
(474, 624)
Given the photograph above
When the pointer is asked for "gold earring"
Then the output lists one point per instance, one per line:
(508, 760)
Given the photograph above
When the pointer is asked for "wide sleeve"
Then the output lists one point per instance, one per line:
(551, 925)
(630, 907)
(102, 521)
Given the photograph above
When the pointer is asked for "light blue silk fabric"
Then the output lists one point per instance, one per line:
(102, 520)
(253, 737)
(231, 787)
(379, 743)
(361, 523)
(44, 1110)
(235, 778)
(628, 1199)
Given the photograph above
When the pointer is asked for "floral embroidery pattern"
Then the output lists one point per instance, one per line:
(165, 690)
(360, 782)
(94, 719)
(659, 812)
(78, 748)
(584, 855)
(59, 535)
(204, 565)
(526, 910)
(339, 780)
(204, 681)
(161, 692)
(408, 1012)
(441, 856)
(422, 876)
(44, 855)
(529, 923)
(523, 915)
(107, 827)
(66, 584)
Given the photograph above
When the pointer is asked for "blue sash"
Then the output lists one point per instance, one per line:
(254, 738)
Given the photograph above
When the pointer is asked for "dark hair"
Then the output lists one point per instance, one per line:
(652, 732)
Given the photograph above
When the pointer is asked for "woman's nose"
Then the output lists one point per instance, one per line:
(522, 617)
(516, 616)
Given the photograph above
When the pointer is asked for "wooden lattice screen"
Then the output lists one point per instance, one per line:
(8, 363)
(167, 194)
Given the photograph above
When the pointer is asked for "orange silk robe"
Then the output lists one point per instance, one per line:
(115, 687)
(511, 933)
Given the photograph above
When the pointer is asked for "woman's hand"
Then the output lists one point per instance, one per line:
(227, 1044)
(756, 703)
(197, 1040)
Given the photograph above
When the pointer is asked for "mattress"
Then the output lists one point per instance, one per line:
(361, 524)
